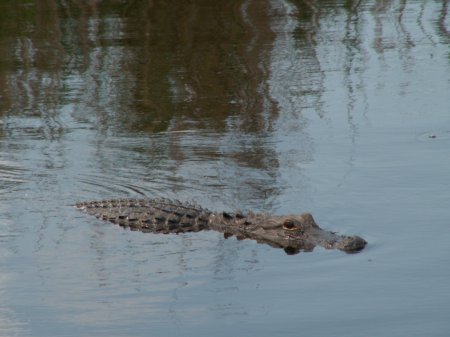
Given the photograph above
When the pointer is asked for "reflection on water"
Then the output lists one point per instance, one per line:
(277, 106)
(129, 70)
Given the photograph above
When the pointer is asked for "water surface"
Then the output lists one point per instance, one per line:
(336, 108)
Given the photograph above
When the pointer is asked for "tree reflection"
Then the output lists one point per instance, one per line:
(216, 68)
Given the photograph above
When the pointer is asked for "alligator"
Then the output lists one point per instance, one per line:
(293, 233)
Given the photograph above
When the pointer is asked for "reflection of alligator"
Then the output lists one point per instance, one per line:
(294, 233)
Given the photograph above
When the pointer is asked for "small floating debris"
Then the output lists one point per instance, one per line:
(437, 135)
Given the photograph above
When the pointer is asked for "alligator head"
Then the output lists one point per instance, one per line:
(294, 233)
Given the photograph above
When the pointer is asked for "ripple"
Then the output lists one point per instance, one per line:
(11, 175)
(10, 325)
(434, 135)
(109, 185)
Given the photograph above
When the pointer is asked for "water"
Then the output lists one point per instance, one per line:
(337, 108)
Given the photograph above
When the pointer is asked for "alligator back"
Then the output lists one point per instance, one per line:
(150, 215)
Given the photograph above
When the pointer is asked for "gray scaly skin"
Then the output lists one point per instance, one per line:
(294, 233)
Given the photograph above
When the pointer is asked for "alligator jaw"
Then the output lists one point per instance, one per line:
(351, 244)
(306, 241)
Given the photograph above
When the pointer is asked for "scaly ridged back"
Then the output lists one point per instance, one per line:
(150, 215)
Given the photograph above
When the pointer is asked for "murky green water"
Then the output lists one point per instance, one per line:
(337, 108)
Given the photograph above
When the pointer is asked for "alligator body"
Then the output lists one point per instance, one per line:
(294, 233)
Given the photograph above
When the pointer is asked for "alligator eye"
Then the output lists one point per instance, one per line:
(227, 215)
(289, 225)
